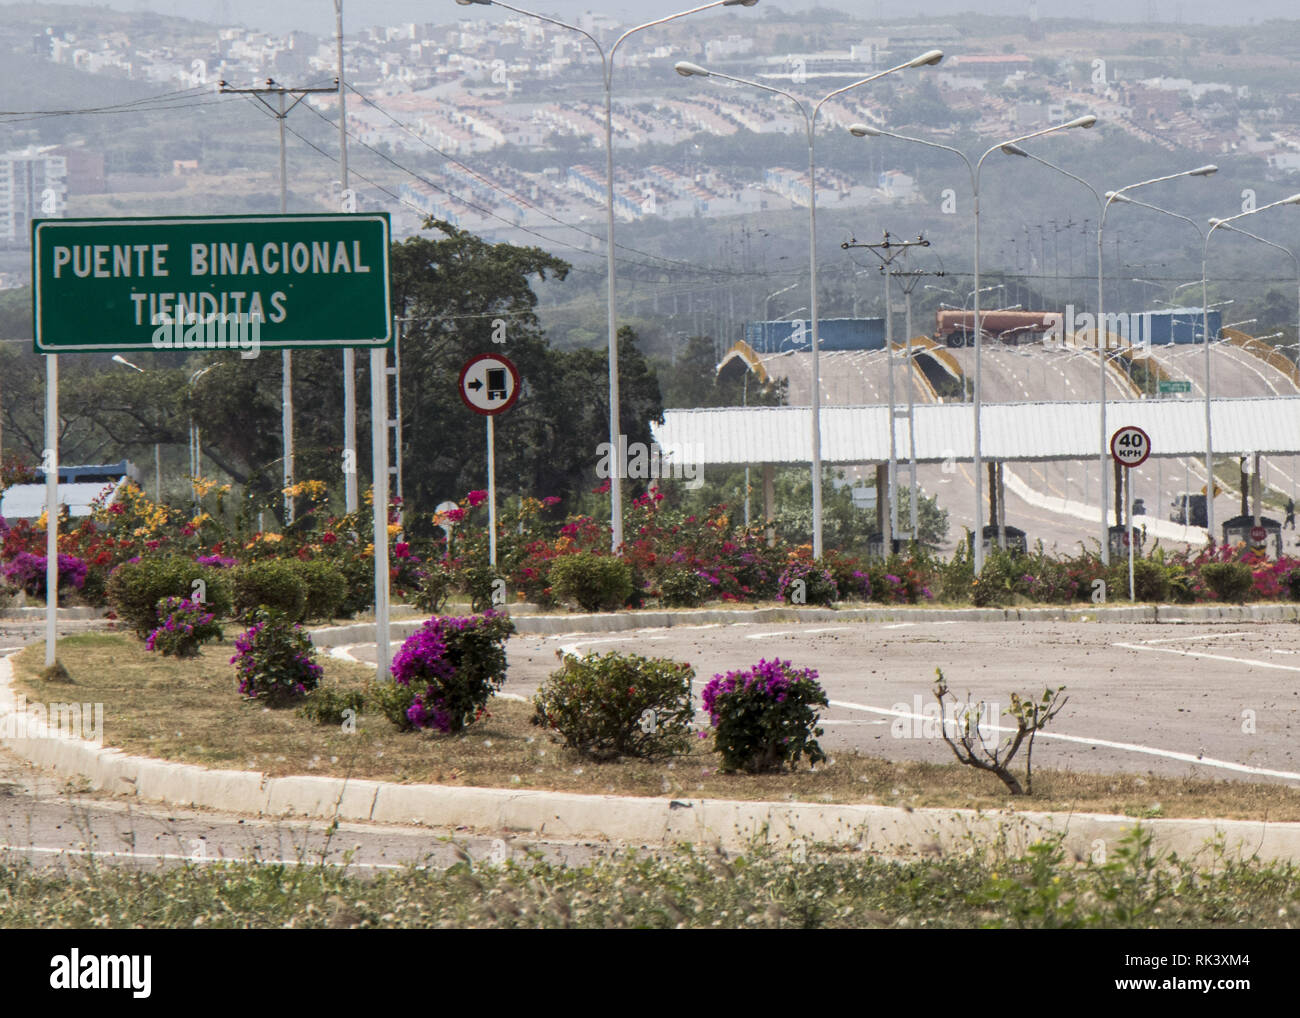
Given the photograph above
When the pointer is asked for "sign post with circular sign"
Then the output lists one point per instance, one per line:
(1130, 446)
(489, 384)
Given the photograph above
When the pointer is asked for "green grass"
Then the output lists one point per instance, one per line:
(800, 887)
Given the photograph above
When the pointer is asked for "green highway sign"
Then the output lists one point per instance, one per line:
(213, 282)
(1169, 385)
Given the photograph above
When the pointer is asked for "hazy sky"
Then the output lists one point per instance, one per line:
(318, 15)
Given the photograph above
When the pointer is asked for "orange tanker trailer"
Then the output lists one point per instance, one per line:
(957, 328)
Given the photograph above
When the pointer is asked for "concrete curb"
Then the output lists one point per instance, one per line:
(885, 830)
(555, 625)
(28, 613)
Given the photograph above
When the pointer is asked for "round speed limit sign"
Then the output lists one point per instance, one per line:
(1130, 446)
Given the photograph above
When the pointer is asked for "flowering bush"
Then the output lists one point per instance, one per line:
(274, 661)
(611, 705)
(684, 588)
(135, 588)
(185, 626)
(446, 672)
(807, 582)
(27, 571)
(765, 717)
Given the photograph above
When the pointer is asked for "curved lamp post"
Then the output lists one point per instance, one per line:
(688, 70)
(1216, 224)
(866, 131)
(1103, 206)
(607, 64)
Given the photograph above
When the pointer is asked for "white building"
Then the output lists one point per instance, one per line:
(33, 185)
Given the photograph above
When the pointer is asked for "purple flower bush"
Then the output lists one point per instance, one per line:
(27, 571)
(804, 582)
(446, 672)
(765, 717)
(183, 627)
(274, 660)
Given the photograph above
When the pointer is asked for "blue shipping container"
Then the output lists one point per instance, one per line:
(833, 334)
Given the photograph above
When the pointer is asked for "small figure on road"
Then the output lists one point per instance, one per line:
(1290, 514)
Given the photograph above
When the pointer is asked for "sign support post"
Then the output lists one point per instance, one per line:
(51, 507)
(379, 473)
(492, 493)
(489, 385)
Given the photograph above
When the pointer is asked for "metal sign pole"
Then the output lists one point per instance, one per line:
(379, 473)
(492, 493)
(51, 506)
(1128, 499)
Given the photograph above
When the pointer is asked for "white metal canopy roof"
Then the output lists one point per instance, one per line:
(1010, 431)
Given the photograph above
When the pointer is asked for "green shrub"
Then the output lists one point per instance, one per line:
(595, 582)
(613, 705)
(434, 588)
(479, 581)
(359, 573)
(273, 584)
(329, 706)
(683, 588)
(765, 717)
(1150, 580)
(324, 586)
(1230, 581)
(446, 672)
(1293, 584)
(135, 588)
(1005, 577)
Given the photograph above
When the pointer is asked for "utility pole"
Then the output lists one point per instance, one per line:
(281, 113)
(887, 250)
(348, 203)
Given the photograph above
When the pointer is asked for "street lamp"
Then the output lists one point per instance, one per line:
(1216, 224)
(157, 449)
(688, 69)
(1103, 206)
(1285, 250)
(607, 63)
(867, 131)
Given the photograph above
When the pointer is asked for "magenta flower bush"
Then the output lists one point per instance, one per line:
(274, 660)
(183, 627)
(804, 582)
(765, 717)
(446, 672)
(27, 571)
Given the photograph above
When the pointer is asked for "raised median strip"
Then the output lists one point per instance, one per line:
(884, 830)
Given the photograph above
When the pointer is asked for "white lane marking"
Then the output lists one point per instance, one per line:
(1130, 747)
(787, 632)
(1213, 657)
(1203, 636)
(904, 625)
(571, 649)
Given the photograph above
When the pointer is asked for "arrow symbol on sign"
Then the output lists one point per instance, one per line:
(475, 385)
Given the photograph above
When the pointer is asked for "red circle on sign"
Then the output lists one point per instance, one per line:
(1258, 534)
(506, 363)
(1146, 446)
